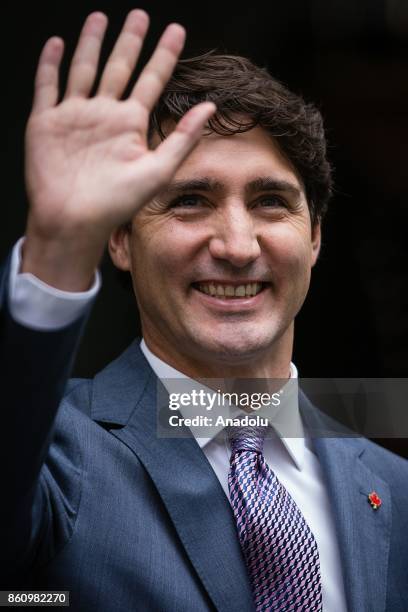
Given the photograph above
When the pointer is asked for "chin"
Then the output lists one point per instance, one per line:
(235, 347)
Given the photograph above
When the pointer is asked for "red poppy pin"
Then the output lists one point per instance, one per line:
(375, 500)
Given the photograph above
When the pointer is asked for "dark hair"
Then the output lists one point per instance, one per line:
(247, 96)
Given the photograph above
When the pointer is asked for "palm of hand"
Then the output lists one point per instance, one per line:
(90, 146)
(87, 159)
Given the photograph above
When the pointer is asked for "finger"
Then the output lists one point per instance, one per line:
(47, 75)
(84, 63)
(175, 148)
(124, 56)
(159, 68)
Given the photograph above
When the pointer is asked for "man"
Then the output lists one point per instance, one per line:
(224, 231)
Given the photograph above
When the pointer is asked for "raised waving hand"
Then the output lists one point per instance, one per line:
(88, 164)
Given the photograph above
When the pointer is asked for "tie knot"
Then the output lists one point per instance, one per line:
(246, 438)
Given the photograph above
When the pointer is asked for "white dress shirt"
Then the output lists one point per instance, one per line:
(38, 306)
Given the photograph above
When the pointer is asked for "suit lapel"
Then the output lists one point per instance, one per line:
(192, 494)
(363, 533)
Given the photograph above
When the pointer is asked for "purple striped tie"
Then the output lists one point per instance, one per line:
(279, 548)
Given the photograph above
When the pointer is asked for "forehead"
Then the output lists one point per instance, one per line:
(237, 159)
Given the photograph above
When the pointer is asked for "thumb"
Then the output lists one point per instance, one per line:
(178, 145)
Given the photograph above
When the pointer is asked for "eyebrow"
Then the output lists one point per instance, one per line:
(267, 183)
(261, 183)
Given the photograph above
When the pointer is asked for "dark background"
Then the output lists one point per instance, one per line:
(348, 56)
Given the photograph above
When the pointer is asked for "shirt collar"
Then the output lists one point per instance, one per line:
(286, 419)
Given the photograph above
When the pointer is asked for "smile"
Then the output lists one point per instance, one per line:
(228, 291)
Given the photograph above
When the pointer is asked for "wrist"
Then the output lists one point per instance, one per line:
(65, 263)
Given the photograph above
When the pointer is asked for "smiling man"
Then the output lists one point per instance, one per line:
(221, 259)
(209, 183)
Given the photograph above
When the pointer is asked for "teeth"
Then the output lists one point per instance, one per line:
(231, 291)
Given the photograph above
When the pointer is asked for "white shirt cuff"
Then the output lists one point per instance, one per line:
(39, 306)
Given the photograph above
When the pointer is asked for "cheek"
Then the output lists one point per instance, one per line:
(164, 252)
(290, 249)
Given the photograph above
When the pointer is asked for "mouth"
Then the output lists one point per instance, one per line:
(229, 291)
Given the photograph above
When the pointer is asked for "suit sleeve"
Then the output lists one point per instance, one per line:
(34, 369)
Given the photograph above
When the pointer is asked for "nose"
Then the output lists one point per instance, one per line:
(234, 238)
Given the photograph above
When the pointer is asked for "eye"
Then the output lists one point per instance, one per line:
(272, 201)
(186, 201)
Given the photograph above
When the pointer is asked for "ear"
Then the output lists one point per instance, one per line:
(316, 241)
(119, 248)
